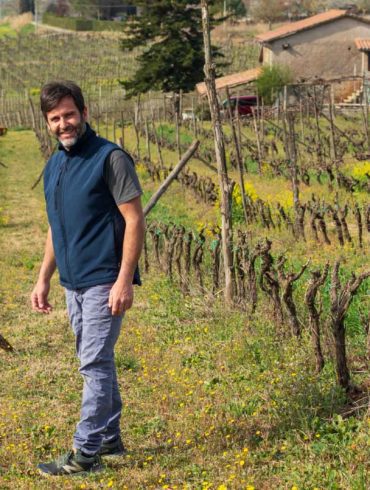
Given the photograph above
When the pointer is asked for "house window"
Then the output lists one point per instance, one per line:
(368, 61)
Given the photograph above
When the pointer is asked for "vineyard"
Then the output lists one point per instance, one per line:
(27, 60)
(270, 391)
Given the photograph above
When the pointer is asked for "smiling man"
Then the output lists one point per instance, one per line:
(95, 237)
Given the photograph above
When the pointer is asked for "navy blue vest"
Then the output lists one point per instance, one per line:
(87, 226)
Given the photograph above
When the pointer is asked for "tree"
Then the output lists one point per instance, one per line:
(297, 8)
(58, 7)
(173, 57)
(271, 80)
(364, 6)
(268, 10)
(237, 8)
(25, 6)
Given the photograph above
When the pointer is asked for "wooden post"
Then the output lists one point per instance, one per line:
(318, 144)
(180, 105)
(178, 144)
(332, 129)
(194, 119)
(164, 107)
(292, 156)
(365, 112)
(238, 156)
(257, 141)
(157, 144)
(240, 139)
(147, 138)
(261, 125)
(5, 345)
(301, 117)
(106, 125)
(226, 222)
(284, 121)
(172, 176)
(98, 124)
(137, 136)
(122, 130)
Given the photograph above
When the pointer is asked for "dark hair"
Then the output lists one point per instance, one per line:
(53, 92)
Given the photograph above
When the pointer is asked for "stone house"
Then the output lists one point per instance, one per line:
(328, 45)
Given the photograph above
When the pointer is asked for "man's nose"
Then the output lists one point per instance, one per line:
(63, 123)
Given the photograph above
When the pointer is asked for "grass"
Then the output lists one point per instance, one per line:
(7, 30)
(213, 399)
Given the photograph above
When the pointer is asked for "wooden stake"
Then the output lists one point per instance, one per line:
(238, 156)
(365, 113)
(226, 223)
(332, 132)
(122, 130)
(292, 156)
(5, 345)
(157, 144)
(114, 130)
(257, 141)
(318, 143)
(137, 137)
(147, 138)
(172, 176)
(178, 134)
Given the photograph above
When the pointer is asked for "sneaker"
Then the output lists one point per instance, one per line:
(72, 463)
(113, 448)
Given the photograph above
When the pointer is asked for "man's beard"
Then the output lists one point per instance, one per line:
(69, 142)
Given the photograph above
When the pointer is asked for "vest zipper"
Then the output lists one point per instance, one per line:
(59, 196)
(58, 184)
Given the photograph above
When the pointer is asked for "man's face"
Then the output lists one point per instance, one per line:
(65, 122)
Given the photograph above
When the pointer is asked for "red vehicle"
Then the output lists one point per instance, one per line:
(243, 103)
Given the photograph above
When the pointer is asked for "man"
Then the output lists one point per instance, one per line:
(95, 237)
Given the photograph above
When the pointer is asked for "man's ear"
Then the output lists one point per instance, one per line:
(85, 113)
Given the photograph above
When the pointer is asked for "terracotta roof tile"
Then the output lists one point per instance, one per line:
(362, 44)
(231, 80)
(300, 25)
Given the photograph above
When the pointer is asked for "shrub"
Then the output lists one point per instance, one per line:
(79, 24)
(271, 80)
(203, 112)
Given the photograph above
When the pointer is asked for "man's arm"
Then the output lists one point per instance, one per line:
(122, 293)
(39, 295)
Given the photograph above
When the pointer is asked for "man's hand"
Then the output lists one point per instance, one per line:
(39, 297)
(121, 297)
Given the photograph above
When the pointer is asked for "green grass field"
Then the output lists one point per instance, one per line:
(7, 30)
(213, 398)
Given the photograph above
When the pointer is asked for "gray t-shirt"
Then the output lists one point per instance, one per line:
(121, 178)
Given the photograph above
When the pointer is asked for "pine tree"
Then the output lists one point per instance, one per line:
(236, 8)
(170, 31)
(25, 6)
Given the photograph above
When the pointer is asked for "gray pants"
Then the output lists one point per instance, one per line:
(96, 332)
